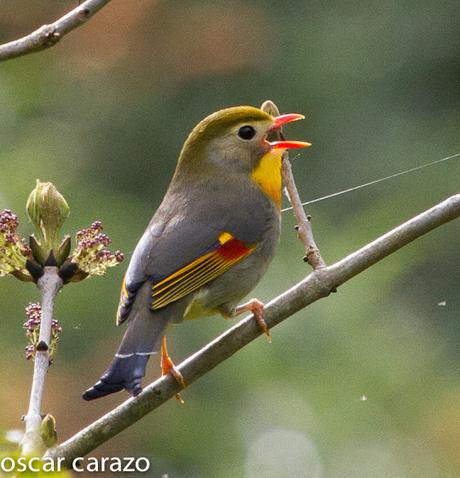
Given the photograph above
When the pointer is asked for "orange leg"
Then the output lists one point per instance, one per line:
(256, 307)
(167, 366)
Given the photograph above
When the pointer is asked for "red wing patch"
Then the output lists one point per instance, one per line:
(233, 249)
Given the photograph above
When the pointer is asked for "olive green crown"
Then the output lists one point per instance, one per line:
(221, 120)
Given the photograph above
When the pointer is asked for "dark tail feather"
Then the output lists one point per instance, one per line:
(123, 373)
(141, 339)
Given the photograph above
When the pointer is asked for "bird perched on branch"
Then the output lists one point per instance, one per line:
(209, 242)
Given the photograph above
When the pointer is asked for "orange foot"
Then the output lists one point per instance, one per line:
(256, 307)
(167, 366)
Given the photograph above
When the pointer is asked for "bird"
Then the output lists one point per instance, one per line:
(209, 242)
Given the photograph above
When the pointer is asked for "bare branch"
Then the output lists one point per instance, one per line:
(304, 229)
(48, 35)
(49, 284)
(315, 286)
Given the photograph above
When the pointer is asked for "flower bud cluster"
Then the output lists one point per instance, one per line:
(13, 252)
(32, 326)
(91, 253)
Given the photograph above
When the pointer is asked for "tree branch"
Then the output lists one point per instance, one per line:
(315, 286)
(48, 35)
(303, 227)
(49, 284)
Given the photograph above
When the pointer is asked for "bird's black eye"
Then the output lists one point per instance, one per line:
(246, 132)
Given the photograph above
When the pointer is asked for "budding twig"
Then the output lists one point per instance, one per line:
(49, 284)
(50, 264)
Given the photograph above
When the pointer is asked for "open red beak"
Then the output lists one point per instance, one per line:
(282, 120)
(289, 118)
(289, 144)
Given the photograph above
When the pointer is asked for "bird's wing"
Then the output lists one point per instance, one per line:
(189, 243)
(177, 264)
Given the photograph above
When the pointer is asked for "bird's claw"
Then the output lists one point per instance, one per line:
(256, 307)
(168, 367)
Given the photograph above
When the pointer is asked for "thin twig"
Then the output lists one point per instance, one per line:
(49, 284)
(303, 227)
(48, 35)
(315, 286)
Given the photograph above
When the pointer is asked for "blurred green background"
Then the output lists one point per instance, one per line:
(365, 383)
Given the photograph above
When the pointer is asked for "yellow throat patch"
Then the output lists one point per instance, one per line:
(267, 175)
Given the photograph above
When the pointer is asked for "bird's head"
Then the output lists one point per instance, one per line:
(234, 140)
